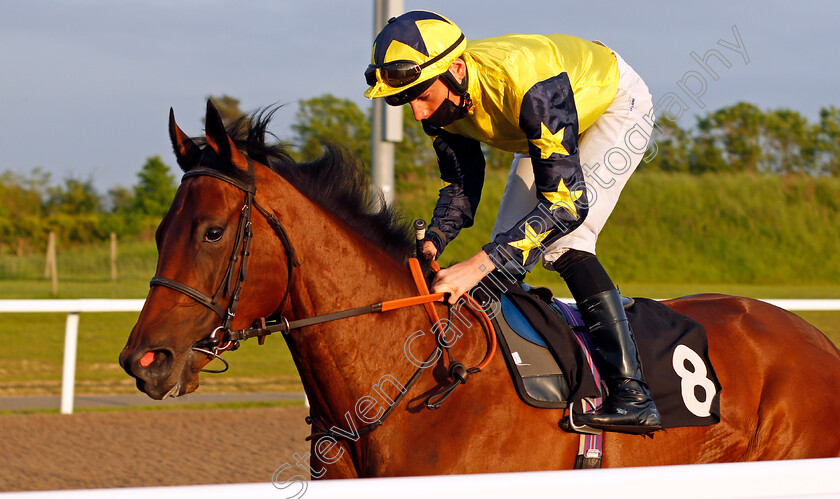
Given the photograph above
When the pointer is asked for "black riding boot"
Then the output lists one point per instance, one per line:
(628, 407)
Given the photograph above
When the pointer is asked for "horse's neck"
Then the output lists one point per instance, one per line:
(340, 268)
(340, 361)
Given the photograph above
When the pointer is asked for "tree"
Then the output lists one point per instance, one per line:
(120, 199)
(19, 194)
(75, 197)
(670, 148)
(789, 143)
(22, 205)
(156, 187)
(330, 119)
(827, 141)
(730, 139)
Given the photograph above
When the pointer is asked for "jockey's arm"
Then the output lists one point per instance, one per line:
(461, 164)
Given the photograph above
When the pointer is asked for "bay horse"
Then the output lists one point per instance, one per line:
(314, 245)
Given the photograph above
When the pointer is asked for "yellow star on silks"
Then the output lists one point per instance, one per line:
(532, 240)
(550, 143)
(563, 198)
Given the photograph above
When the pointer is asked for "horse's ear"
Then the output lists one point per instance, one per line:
(218, 139)
(187, 153)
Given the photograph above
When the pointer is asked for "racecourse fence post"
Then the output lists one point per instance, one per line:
(18, 260)
(113, 256)
(51, 267)
(68, 377)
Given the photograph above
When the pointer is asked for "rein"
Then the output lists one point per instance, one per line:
(264, 327)
(223, 338)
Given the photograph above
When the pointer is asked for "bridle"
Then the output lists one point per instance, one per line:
(223, 338)
(220, 340)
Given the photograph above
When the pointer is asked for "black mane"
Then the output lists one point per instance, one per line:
(336, 181)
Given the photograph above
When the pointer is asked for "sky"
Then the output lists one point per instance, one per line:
(86, 85)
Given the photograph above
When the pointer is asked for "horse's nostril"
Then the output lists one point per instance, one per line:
(152, 364)
(147, 359)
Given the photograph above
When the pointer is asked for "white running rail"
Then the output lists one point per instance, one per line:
(74, 307)
(71, 330)
(816, 478)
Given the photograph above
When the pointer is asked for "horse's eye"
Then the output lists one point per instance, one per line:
(213, 234)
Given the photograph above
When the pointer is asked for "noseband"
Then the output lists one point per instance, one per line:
(230, 286)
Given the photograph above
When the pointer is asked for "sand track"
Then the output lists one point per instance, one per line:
(149, 448)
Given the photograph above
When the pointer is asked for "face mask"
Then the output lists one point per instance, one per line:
(447, 113)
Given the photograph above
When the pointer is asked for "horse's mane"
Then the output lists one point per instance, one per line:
(336, 181)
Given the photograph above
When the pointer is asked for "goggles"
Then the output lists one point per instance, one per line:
(400, 73)
(410, 93)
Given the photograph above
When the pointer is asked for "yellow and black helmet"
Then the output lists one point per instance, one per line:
(410, 52)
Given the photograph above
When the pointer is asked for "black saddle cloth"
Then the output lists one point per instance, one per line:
(673, 349)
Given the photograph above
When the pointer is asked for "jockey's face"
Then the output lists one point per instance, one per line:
(428, 102)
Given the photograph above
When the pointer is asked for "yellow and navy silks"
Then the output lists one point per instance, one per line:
(534, 95)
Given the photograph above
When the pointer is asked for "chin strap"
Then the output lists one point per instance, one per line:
(459, 88)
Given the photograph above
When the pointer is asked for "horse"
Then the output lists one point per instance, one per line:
(318, 242)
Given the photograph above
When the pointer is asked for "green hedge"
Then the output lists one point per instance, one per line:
(667, 228)
(714, 228)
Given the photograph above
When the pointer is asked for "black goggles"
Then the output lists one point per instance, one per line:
(400, 73)
(394, 74)
(410, 93)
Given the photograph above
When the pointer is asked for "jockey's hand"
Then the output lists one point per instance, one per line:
(459, 278)
(429, 251)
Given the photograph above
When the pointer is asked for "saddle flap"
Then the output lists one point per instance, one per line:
(538, 378)
(543, 355)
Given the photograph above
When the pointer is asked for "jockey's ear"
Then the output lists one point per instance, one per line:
(219, 141)
(187, 153)
(458, 68)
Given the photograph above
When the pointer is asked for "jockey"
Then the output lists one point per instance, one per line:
(577, 119)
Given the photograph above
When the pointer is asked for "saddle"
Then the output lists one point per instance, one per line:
(546, 347)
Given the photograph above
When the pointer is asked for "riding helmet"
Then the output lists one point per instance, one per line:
(410, 52)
